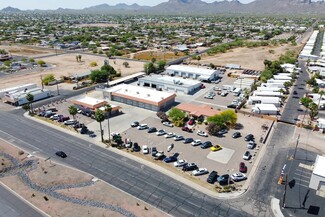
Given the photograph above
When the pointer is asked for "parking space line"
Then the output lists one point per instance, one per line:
(308, 177)
(300, 184)
(301, 180)
(306, 166)
(304, 171)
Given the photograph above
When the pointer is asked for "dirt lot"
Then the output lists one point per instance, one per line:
(49, 174)
(248, 58)
(27, 51)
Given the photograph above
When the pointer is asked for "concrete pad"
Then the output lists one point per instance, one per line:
(223, 156)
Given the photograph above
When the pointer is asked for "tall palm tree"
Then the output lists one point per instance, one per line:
(73, 111)
(100, 117)
(108, 109)
(30, 99)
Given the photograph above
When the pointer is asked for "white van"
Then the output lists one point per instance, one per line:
(142, 127)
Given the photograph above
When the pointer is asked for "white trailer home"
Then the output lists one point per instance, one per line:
(273, 81)
(279, 85)
(268, 89)
(19, 98)
(267, 109)
(268, 94)
(12, 90)
(281, 77)
(252, 100)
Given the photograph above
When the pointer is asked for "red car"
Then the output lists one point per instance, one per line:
(202, 86)
(242, 167)
(187, 129)
(191, 122)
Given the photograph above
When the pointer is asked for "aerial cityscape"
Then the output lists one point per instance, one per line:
(162, 108)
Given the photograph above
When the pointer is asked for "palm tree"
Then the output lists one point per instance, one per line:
(100, 117)
(108, 109)
(30, 99)
(73, 111)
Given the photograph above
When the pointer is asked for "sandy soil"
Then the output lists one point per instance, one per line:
(66, 65)
(28, 51)
(49, 173)
(249, 58)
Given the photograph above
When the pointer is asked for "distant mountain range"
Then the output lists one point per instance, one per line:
(190, 7)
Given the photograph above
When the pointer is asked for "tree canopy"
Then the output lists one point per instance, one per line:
(176, 114)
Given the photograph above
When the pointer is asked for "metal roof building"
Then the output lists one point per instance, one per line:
(201, 74)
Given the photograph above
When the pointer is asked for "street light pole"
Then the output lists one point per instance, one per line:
(57, 88)
(294, 155)
(285, 192)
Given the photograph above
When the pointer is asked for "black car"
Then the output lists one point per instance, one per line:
(222, 132)
(61, 154)
(135, 124)
(154, 151)
(188, 140)
(249, 137)
(152, 130)
(212, 177)
(84, 130)
(136, 147)
(232, 106)
(190, 167)
(223, 180)
(206, 144)
(236, 135)
(295, 93)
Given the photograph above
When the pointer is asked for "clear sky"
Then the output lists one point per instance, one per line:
(77, 4)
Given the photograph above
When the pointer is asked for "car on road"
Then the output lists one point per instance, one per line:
(170, 135)
(136, 147)
(135, 124)
(202, 133)
(178, 138)
(142, 127)
(154, 151)
(200, 171)
(171, 159)
(152, 130)
(236, 135)
(180, 163)
(160, 132)
(196, 142)
(294, 92)
(216, 148)
(145, 149)
(187, 129)
(247, 155)
(251, 145)
(238, 177)
(206, 145)
(212, 177)
(190, 167)
(168, 124)
(224, 179)
(242, 167)
(61, 154)
(249, 137)
(188, 140)
(70, 122)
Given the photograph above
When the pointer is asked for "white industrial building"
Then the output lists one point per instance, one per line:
(267, 109)
(168, 83)
(200, 74)
(19, 98)
(252, 100)
(317, 180)
(12, 90)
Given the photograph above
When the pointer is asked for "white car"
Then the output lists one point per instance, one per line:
(202, 133)
(70, 122)
(142, 127)
(145, 149)
(168, 124)
(180, 163)
(178, 138)
(55, 117)
(170, 135)
(200, 171)
(251, 145)
(238, 177)
(196, 142)
(160, 132)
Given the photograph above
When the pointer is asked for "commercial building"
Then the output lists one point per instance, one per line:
(142, 97)
(317, 180)
(19, 98)
(90, 105)
(201, 74)
(199, 111)
(168, 83)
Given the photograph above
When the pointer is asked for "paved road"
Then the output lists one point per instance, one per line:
(13, 206)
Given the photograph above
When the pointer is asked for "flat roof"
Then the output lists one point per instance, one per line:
(140, 93)
(171, 80)
(126, 78)
(266, 106)
(194, 70)
(90, 101)
(319, 166)
(269, 99)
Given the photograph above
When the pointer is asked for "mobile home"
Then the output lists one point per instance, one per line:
(268, 109)
(252, 100)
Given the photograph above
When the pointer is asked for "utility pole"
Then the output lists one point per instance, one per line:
(285, 192)
(57, 88)
(294, 155)
(42, 82)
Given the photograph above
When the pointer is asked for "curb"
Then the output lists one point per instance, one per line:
(275, 207)
(149, 164)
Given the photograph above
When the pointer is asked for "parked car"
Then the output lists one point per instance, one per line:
(63, 119)
(212, 177)
(84, 130)
(191, 122)
(232, 106)
(200, 171)
(170, 147)
(128, 143)
(217, 88)
(242, 167)
(224, 93)
(238, 177)
(56, 117)
(187, 129)
(145, 149)
(216, 81)
(152, 130)
(196, 142)
(206, 144)
(170, 135)
(178, 138)
(136, 147)
(92, 135)
(154, 151)
(222, 132)
(247, 155)
(142, 127)
(224, 179)
(189, 167)
(70, 122)
(135, 124)
(168, 124)
(61, 154)
(160, 156)
(249, 137)
(216, 148)
(251, 145)
(236, 135)
(180, 163)
(208, 97)
(160, 132)
(188, 140)
(202, 133)
(171, 159)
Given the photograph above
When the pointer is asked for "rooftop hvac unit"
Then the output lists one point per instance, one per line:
(137, 92)
(126, 90)
(148, 95)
